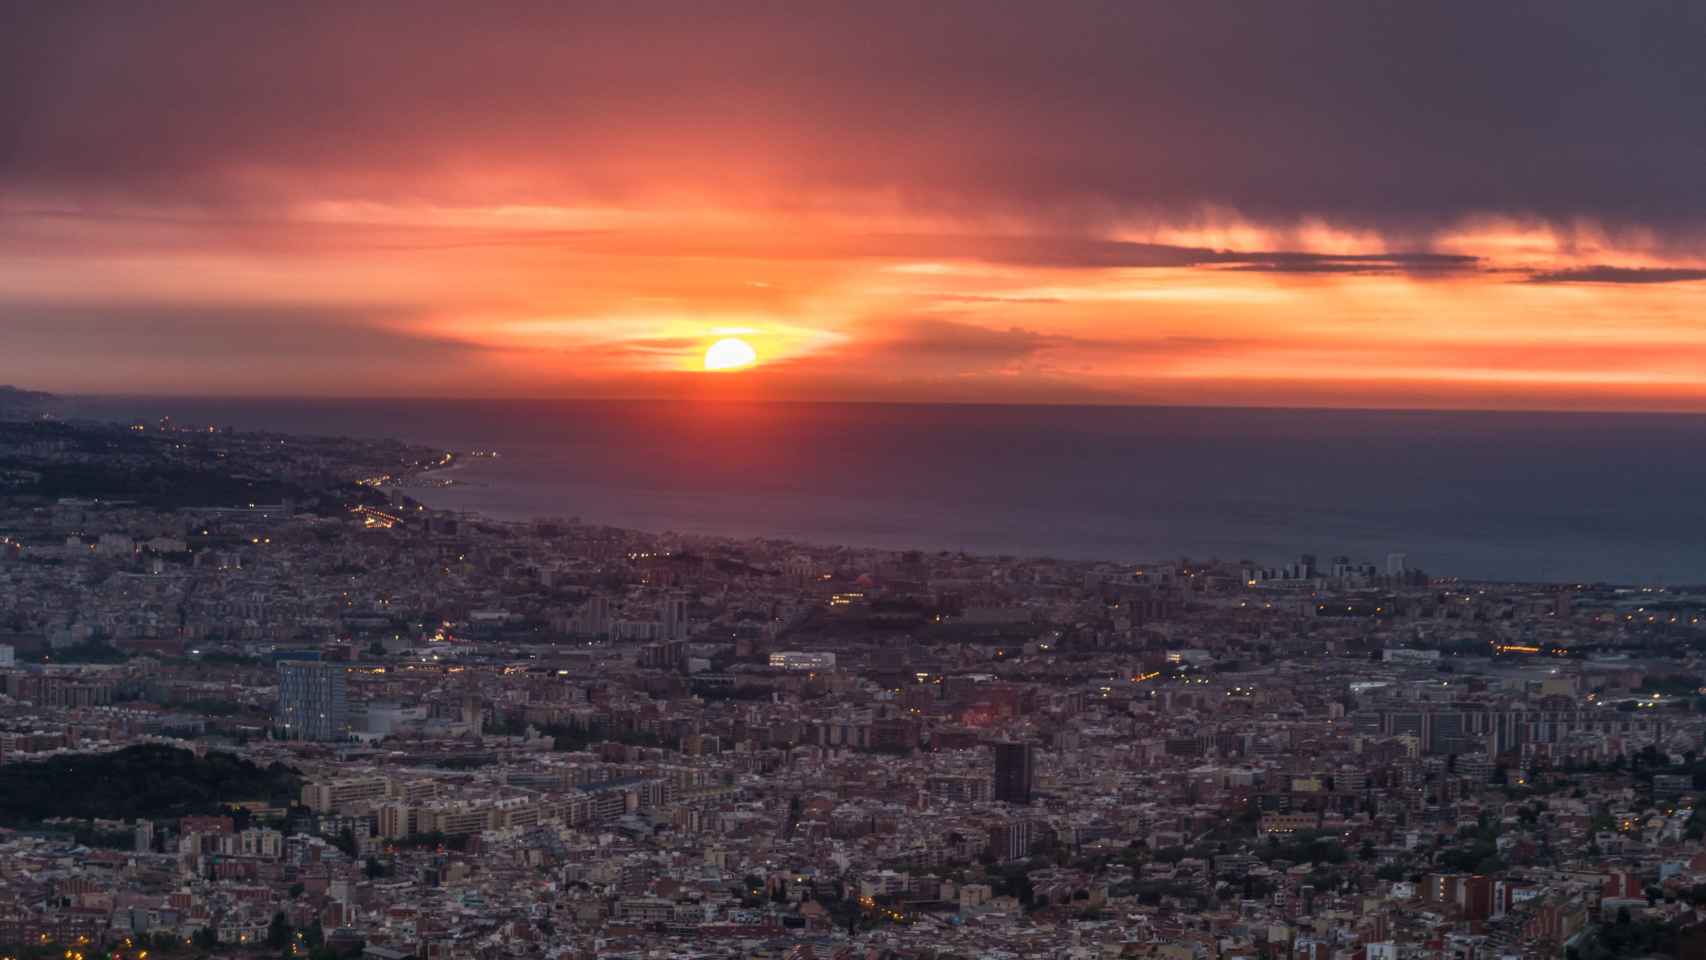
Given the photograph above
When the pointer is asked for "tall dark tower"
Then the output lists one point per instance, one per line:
(1015, 771)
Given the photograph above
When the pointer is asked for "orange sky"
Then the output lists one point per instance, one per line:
(978, 203)
(532, 301)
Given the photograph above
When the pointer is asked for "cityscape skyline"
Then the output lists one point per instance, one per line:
(257, 699)
(877, 480)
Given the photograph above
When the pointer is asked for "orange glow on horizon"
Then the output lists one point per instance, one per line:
(599, 300)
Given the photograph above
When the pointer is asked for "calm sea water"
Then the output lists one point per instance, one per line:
(1486, 495)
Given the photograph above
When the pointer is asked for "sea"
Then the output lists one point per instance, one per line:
(1559, 497)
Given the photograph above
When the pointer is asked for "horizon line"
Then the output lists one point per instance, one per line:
(799, 401)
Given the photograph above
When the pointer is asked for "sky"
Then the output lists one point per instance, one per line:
(1442, 204)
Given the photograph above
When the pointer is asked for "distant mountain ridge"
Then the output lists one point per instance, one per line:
(16, 403)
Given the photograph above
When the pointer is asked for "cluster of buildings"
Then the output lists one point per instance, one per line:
(563, 740)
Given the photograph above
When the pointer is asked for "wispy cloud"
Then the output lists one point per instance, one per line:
(1607, 274)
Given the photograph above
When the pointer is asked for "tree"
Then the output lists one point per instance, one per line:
(205, 938)
(1602, 821)
(1023, 891)
(1170, 854)
(150, 782)
(1490, 865)
(278, 931)
(346, 842)
(752, 890)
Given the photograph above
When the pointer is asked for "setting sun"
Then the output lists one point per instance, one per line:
(729, 354)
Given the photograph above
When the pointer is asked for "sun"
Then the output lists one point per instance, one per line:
(729, 354)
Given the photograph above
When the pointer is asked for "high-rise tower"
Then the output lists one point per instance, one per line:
(312, 701)
(1015, 771)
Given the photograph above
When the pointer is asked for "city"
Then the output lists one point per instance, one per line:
(753, 480)
(454, 737)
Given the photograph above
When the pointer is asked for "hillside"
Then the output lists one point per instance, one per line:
(17, 403)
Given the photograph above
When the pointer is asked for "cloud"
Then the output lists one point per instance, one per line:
(242, 348)
(934, 348)
(984, 298)
(1060, 251)
(42, 231)
(1608, 274)
(1303, 262)
(941, 347)
(1078, 114)
(978, 199)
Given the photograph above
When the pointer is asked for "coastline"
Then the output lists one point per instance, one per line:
(1491, 498)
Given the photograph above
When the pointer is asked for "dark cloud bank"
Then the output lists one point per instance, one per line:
(1394, 116)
